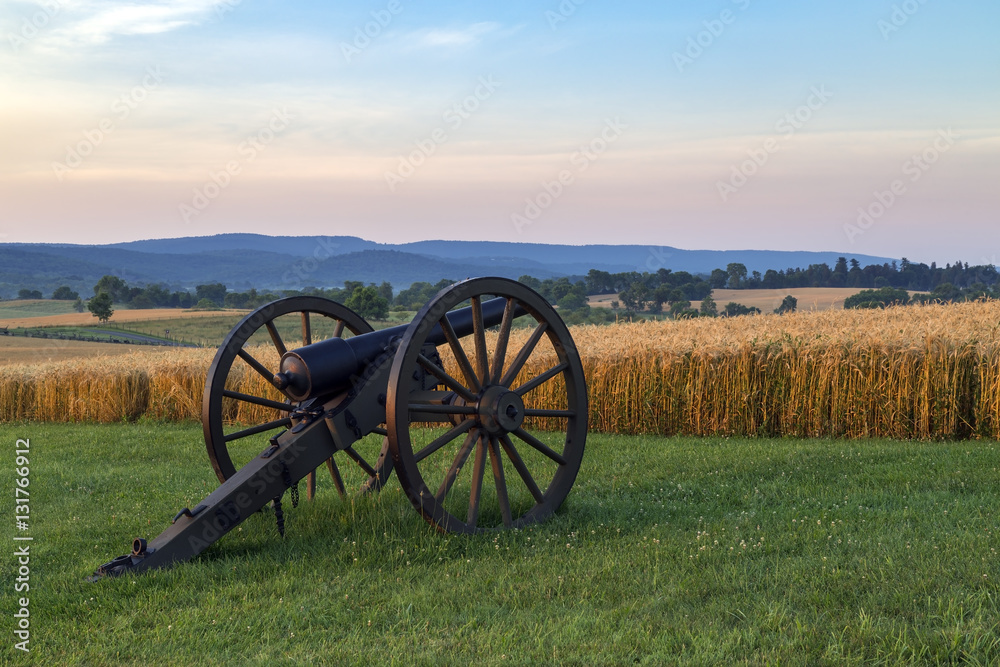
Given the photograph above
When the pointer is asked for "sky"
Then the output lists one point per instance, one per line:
(868, 127)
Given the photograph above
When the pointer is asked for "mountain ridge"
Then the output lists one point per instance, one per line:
(292, 262)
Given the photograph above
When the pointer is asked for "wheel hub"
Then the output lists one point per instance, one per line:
(500, 410)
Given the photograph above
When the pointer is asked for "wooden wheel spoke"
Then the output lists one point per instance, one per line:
(338, 481)
(456, 465)
(521, 468)
(484, 384)
(479, 337)
(306, 328)
(445, 378)
(475, 494)
(539, 412)
(338, 331)
(460, 356)
(440, 442)
(257, 400)
(307, 318)
(260, 428)
(541, 379)
(261, 369)
(501, 484)
(539, 445)
(522, 356)
(276, 337)
(350, 451)
(500, 352)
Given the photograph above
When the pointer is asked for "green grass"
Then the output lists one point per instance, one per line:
(680, 550)
(34, 308)
(96, 333)
(206, 330)
(209, 331)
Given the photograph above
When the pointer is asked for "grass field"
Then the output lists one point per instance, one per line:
(207, 328)
(28, 308)
(668, 551)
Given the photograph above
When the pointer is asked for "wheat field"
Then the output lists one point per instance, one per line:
(913, 372)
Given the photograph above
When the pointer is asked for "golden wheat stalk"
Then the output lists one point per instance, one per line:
(913, 372)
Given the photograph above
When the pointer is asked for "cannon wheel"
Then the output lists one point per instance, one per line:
(494, 399)
(312, 314)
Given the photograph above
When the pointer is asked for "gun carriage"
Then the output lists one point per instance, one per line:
(448, 388)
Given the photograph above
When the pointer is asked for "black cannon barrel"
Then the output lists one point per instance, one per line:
(331, 365)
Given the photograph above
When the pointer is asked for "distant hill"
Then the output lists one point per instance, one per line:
(241, 261)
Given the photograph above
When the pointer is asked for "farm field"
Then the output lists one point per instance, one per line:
(668, 551)
(810, 298)
(14, 318)
(19, 350)
(18, 308)
(912, 372)
(206, 328)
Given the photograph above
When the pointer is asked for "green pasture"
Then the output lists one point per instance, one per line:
(34, 308)
(206, 331)
(210, 330)
(668, 551)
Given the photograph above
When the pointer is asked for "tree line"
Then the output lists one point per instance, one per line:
(662, 291)
(902, 275)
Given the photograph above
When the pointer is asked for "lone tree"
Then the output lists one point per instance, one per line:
(100, 306)
(708, 307)
(788, 305)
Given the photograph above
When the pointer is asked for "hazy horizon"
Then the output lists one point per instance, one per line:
(428, 240)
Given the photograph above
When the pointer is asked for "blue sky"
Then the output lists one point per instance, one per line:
(868, 127)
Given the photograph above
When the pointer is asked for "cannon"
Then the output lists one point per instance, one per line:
(498, 381)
